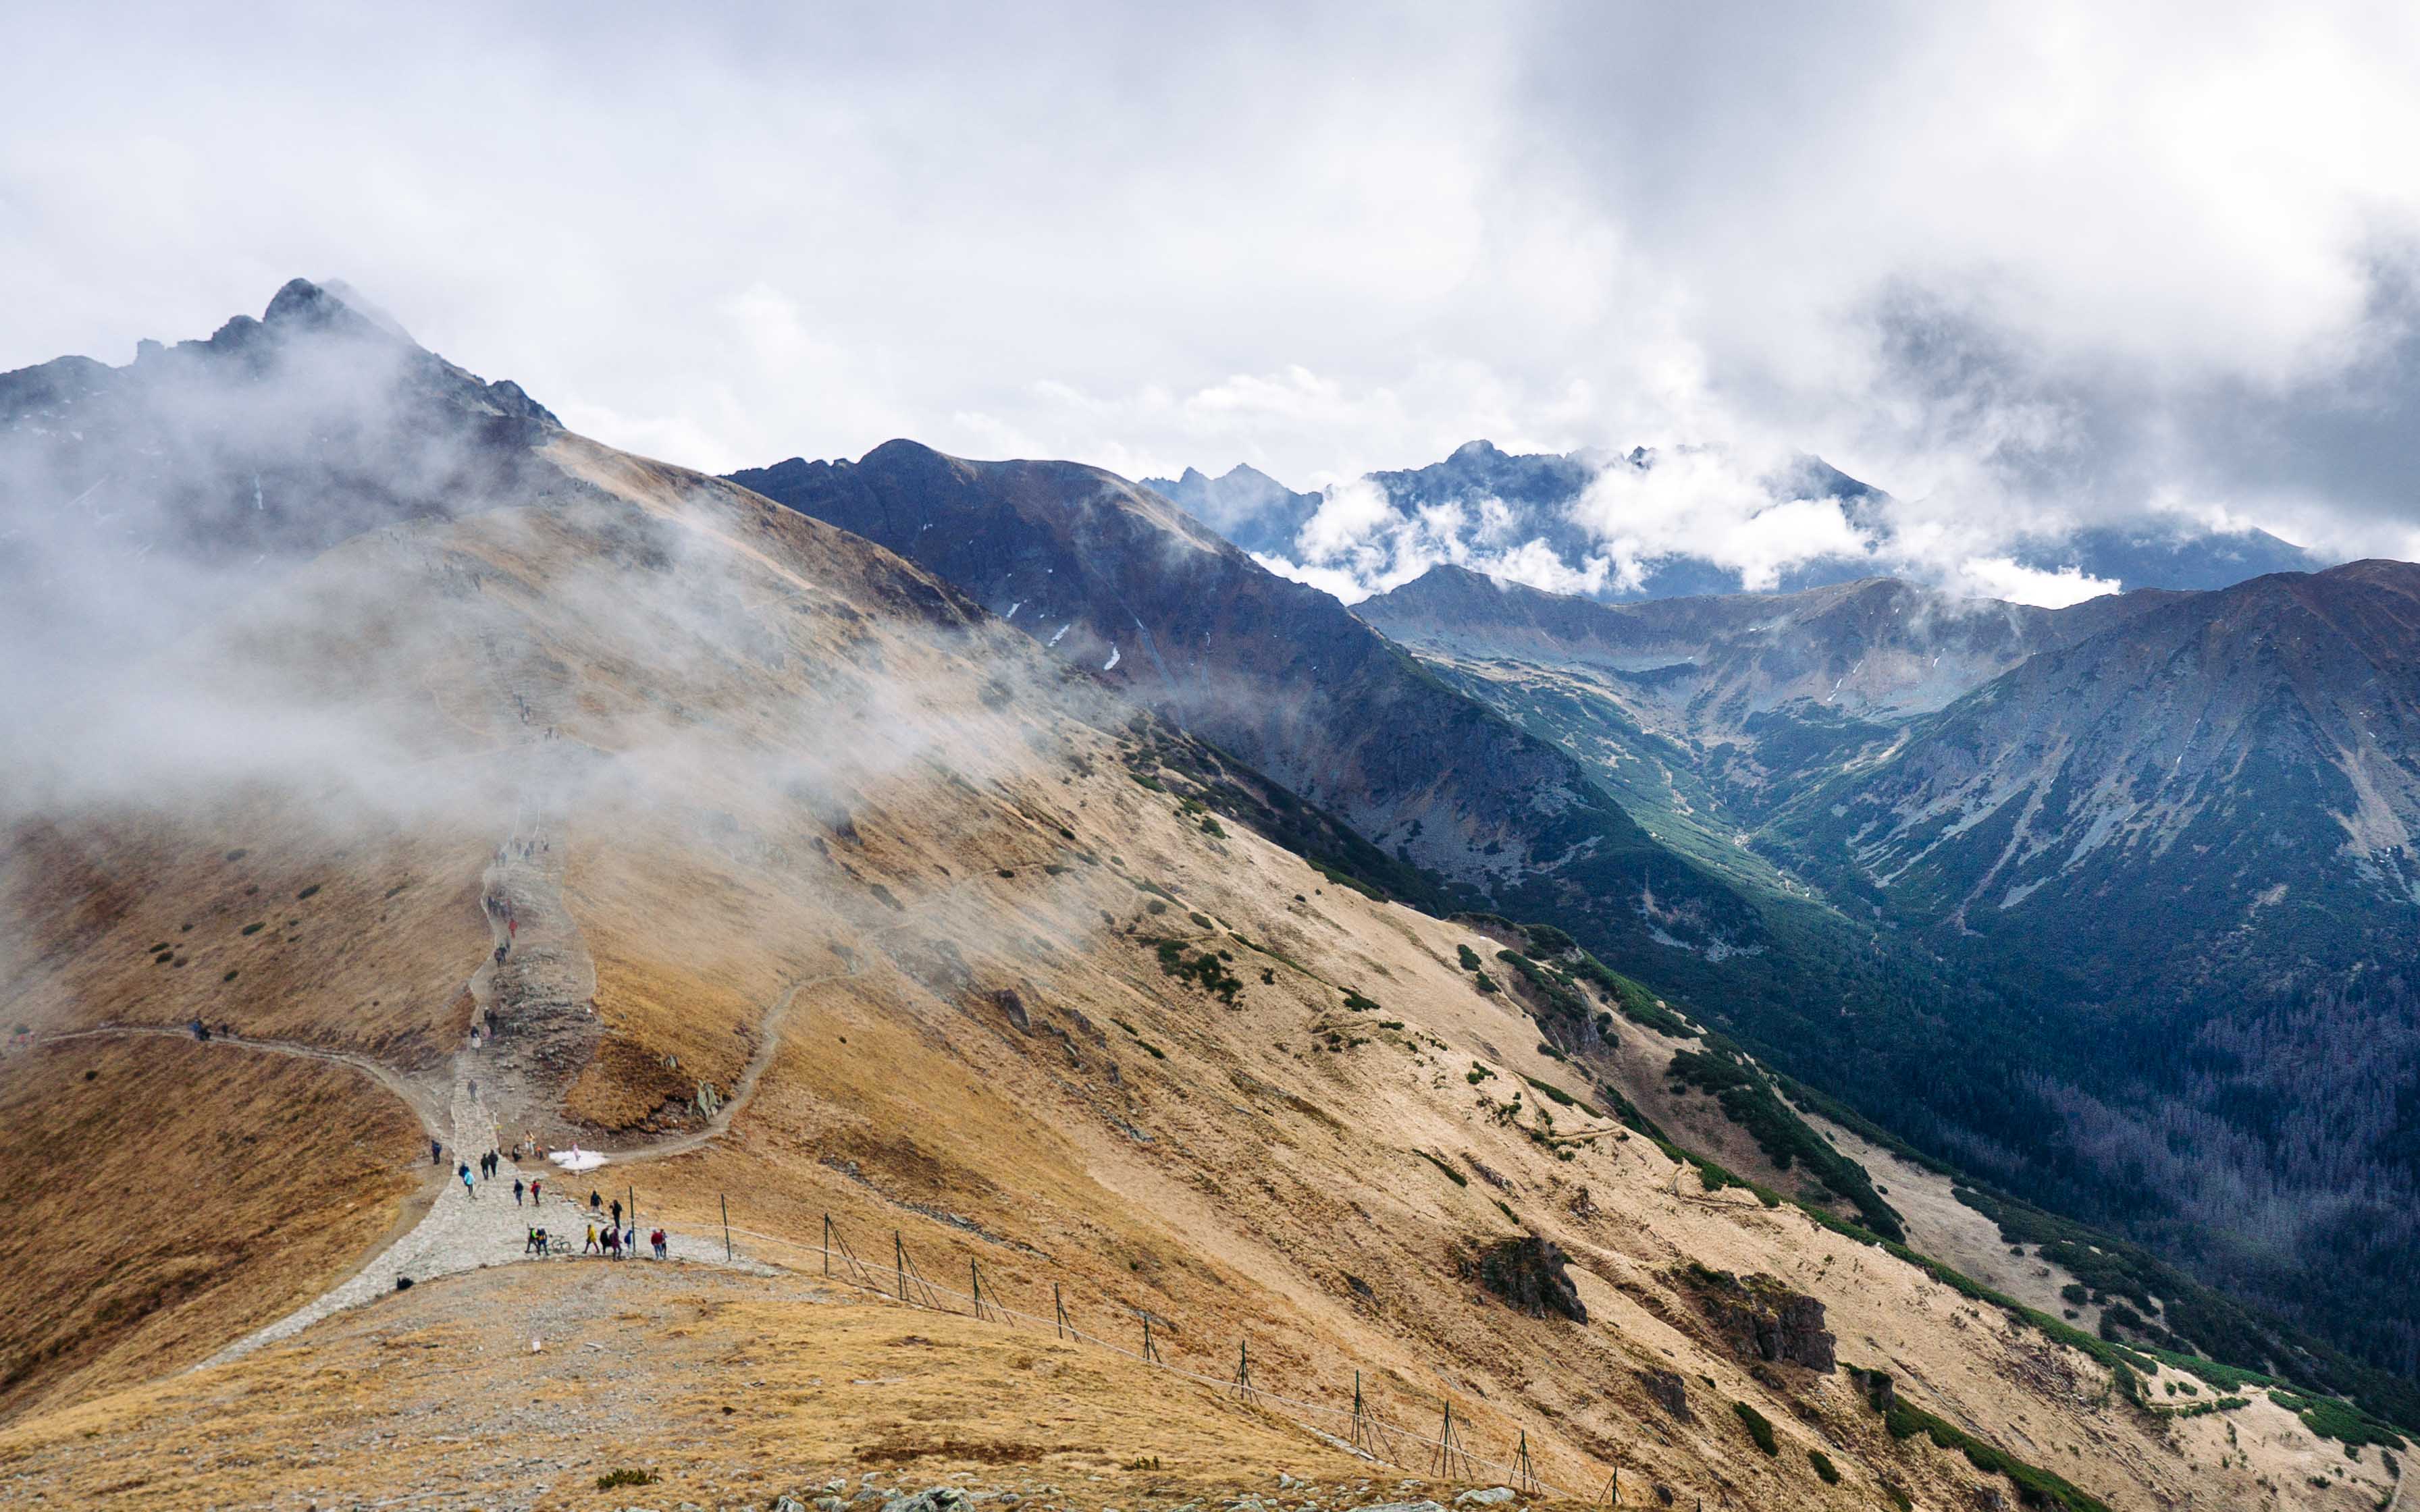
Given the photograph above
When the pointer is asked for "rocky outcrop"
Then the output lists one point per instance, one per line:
(1668, 1392)
(1762, 1319)
(1529, 1274)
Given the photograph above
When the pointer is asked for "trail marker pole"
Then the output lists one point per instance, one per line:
(976, 1277)
(726, 1227)
(1612, 1496)
(1525, 1471)
(899, 1257)
(1149, 1354)
(827, 1244)
(1059, 1312)
(1244, 1369)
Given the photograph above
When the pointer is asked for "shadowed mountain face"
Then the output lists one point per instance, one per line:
(1116, 580)
(2168, 833)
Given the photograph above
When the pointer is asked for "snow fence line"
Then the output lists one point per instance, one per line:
(1370, 1436)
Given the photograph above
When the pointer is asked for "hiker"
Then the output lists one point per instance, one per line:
(589, 1246)
(630, 1242)
(517, 1191)
(615, 1207)
(657, 1239)
(533, 1245)
(596, 1200)
(536, 1182)
(612, 1243)
(468, 1190)
(436, 1154)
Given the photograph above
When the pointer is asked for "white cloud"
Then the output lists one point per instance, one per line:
(2006, 260)
(2000, 578)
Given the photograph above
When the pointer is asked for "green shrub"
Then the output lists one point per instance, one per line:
(1758, 1427)
(1203, 968)
(1450, 1174)
(625, 1477)
(1825, 1470)
(1470, 957)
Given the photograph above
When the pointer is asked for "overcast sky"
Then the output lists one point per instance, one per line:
(2026, 261)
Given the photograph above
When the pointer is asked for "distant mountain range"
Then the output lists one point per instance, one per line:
(1520, 516)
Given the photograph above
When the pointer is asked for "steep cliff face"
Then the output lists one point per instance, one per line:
(1112, 579)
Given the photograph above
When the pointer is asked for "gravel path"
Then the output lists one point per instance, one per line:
(468, 1230)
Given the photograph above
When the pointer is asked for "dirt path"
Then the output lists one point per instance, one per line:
(768, 1043)
(418, 1096)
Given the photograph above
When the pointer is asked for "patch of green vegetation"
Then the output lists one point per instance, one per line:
(1210, 828)
(1151, 784)
(1477, 1073)
(1359, 1004)
(2036, 1486)
(1346, 880)
(308, 891)
(1468, 957)
(1750, 1101)
(1205, 969)
(625, 1477)
(253, 929)
(1565, 1098)
(2329, 1417)
(1626, 1112)
(1507, 1212)
(1759, 1427)
(1825, 1470)
(1486, 984)
(1450, 1174)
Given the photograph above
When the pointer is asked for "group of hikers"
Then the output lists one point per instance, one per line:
(499, 910)
(613, 1242)
(606, 1235)
(202, 1031)
(492, 1164)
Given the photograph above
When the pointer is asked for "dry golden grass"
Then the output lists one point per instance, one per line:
(729, 1391)
(165, 1198)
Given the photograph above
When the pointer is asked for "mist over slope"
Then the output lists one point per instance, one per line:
(1109, 578)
